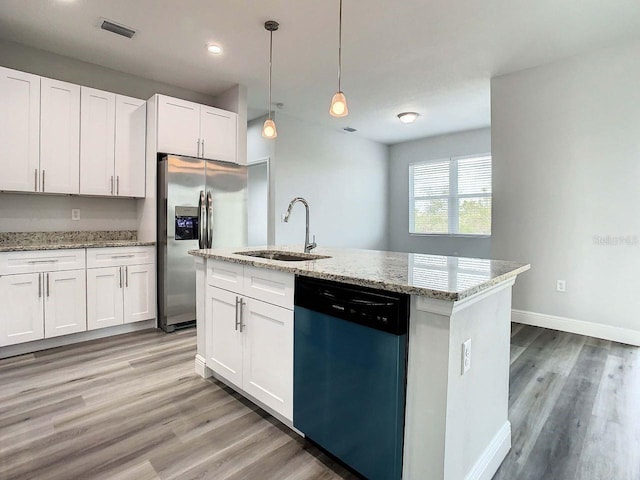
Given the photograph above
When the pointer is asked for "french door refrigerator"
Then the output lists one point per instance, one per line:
(201, 204)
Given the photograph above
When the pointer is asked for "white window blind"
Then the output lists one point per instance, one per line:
(451, 196)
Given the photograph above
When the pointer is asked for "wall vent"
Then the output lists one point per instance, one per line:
(349, 129)
(112, 27)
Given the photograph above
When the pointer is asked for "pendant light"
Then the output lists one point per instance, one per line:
(339, 101)
(269, 127)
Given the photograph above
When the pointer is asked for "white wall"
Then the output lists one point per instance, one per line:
(342, 176)
(566, 163)
(50, 213)
(257, 204)
(432, 148)
(259, 148)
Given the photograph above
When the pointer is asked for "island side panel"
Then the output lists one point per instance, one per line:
(426, 398)
(478, 428)
(201, 334)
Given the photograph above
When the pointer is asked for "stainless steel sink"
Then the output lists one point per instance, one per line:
(282, 256)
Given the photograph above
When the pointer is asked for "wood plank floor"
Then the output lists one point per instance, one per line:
(131, 407)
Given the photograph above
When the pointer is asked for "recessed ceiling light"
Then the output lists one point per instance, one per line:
(408, 117)
(215, 49)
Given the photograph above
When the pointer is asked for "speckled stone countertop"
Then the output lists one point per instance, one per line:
(26, 241)
(435, 276)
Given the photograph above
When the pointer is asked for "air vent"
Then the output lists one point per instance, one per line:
(112, 27)
(349, 129)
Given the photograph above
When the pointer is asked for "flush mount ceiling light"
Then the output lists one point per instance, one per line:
(339, 101)
(269, 127)
(214, 49)
(408, 117)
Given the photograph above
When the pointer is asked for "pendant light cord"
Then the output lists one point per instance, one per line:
(270, 67)
(340, 49)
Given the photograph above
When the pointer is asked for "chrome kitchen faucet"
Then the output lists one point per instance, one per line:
(307, 246)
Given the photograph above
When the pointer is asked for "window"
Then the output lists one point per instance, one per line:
(451, 196)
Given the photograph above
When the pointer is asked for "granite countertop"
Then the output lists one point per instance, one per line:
(435, 276)
(29, 241)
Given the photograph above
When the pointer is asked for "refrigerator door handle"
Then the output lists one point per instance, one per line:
(202, 218)
(209, 220)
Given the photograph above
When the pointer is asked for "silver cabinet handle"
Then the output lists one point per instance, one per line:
(111, 184)
(242, 304)
(43, 180)
(198, 154)
(35, 180)
(47, 285)
(33, 262)
(118, 185)
(120, 277)
(202, 148)
(238, 302)
(123, 256)
(39, 285)
(126, 277)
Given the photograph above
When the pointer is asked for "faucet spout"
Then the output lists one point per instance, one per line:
(307, 245)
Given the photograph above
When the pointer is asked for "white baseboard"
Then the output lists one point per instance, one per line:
(581, 327)
(490, 460)
(37, 345)
(201, 367)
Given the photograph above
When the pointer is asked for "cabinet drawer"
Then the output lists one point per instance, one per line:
(35, 261)
(225, 275)
(120, 256)
(269, 286)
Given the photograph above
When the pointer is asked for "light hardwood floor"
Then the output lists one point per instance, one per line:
(131, 407)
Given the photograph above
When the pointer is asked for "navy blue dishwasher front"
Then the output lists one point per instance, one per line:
(350, 348)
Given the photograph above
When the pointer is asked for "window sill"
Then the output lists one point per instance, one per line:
(450, 235)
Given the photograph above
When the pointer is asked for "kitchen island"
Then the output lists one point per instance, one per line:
(456, 410)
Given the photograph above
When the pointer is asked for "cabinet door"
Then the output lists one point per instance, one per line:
(218, 131)
(104, 297)
(131, 121)
(21, 315)
(60, 137)
(65, 303)
(19, 131)
(268, 355)
(224, 339)
(97, 141)
(139, 293)
(178, 126)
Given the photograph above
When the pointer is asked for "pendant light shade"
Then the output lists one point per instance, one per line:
(339, 105)
(269, 127)
(339, 101)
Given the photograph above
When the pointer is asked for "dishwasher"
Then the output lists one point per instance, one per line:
(350, 356)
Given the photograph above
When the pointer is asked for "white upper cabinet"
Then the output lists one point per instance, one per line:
(131, 121)
(59, 137)
(19, 130)
(178, 127)
(187, 128)
(97, 142)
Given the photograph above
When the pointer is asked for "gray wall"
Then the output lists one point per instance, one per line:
(566, 163)
(401, 155)
(344, 178)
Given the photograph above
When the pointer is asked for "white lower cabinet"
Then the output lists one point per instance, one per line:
(249, 342)
(22, 308)
(65, 303)
(42, 305)
(121, 286)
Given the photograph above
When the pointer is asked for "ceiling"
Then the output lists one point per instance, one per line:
(431, 56)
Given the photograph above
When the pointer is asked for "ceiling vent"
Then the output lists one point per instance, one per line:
(112, 27)
(349, 129)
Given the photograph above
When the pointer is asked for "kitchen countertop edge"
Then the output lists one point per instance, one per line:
(72, 245)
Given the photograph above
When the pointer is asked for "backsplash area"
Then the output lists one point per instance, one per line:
(52, 213)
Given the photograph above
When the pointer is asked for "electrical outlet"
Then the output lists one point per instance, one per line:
(466, 356)
(561, 286)
(75, 214)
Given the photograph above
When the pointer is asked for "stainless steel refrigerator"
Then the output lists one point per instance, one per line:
(201, 204)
